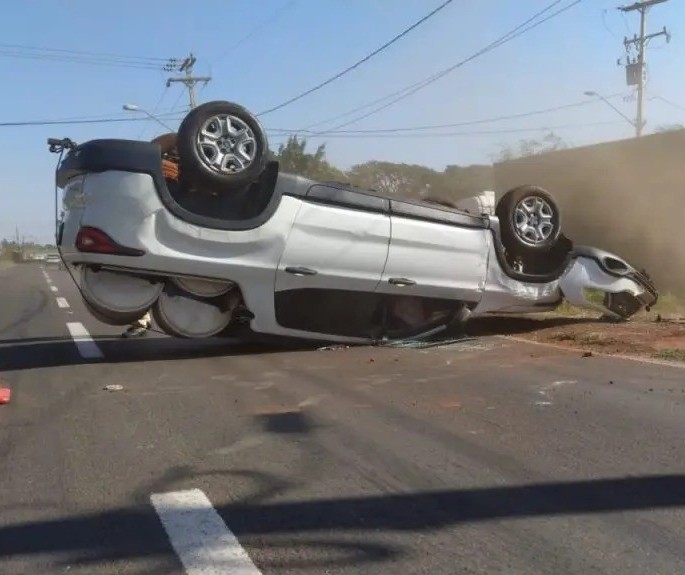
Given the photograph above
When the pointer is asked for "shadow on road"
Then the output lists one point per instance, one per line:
(136, 533)
(32, 353)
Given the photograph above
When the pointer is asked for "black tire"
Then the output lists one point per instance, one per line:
(196, 168)
(623, 303)
(506, 212)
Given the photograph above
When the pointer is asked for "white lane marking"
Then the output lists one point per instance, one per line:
(62, 302)
(85, 344)
(53, 288)
(202, 541)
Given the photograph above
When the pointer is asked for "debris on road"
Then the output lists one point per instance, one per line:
(334, 347)
(417, 344)
(113, 387)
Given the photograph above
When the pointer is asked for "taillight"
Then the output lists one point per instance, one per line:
(93, 240)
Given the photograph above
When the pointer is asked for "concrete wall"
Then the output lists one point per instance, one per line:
(626, 196)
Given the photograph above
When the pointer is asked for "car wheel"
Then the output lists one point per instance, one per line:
(222, 147)
(530, 220)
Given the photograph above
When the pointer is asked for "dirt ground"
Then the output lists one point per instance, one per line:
(650, 335)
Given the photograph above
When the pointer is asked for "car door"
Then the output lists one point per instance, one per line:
(332, 263)
(435, 253)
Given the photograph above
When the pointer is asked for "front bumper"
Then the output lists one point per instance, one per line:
(650, 295)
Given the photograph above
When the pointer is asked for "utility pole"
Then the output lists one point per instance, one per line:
(635, 67)
(189, 80)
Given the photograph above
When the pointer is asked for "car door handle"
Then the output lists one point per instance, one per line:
(299, 271)
(401, 282)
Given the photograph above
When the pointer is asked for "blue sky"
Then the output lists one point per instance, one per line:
(294, 44)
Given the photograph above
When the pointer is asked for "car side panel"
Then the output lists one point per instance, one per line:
(443, 261)
(346, 248)
(330, 268)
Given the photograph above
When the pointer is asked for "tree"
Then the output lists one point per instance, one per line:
(293, 158)
(464, 181)
(389, 178)
(414, 181)
(549, 143)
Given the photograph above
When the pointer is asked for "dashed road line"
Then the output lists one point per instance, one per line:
(53, 288)
(62, 302)
(85, 344)
(202, 541)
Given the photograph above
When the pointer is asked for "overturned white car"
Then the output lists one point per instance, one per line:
(228, 238)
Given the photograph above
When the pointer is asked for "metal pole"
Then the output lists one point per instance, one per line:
(641, 68)
(641, 42)
(191, 88)
(189, 80)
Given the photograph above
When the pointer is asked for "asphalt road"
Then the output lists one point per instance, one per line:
(486, 456)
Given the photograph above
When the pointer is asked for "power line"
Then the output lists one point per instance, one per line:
(359, 62)
(456, 124)
(496, 44)
(414, 85)
(83, 53)
(409, 90)
(276, 133)
(162, 114)
(174, 111)
(669, 102)
(22, 51)
(160, 99)
(453, 134)
(164, 92)
(274, 16)
(178, 99)
(79, 60)
(74, 122)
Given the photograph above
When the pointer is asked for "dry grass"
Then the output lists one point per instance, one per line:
(670, 304)
(593, 338)
(671, 354)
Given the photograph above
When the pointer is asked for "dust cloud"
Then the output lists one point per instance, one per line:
(627, 197)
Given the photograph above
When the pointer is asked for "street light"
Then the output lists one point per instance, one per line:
(134, 108)
(633, 123)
